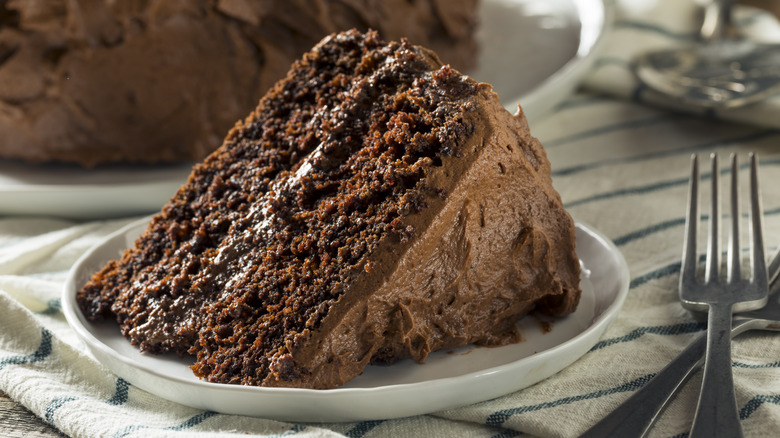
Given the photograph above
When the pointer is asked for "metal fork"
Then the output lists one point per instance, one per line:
(637, 414)
(716, 413)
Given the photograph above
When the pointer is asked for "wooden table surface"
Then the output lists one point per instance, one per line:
(17, 422)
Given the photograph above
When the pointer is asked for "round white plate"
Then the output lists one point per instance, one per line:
(534, 52)
(447, 379)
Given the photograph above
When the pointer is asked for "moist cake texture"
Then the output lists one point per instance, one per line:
(153, 81)
(377, 205)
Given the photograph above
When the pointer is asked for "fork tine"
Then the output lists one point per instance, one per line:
(713, 251)
(734, 265)
(717, 413)
(757, 258)
(688, 267)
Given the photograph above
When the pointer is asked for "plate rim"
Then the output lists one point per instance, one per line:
(594, 331)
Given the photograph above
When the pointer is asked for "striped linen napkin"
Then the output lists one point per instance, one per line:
(620, 167)
(647, 25)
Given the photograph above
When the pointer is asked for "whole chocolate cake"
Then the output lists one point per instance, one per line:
(375, 206)
(103, 81)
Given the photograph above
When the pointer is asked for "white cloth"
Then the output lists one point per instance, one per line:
(647, 25)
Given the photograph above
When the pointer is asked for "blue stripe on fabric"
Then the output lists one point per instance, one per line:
(54, 405)
(755, 367)
(605, 129)
(194, 421)
(188, 424)
(363, 428)
(119, 398)
(665, 271)
(497, 419)
(653, 28)
(644, 232)
(53, 307)
(756, 402)
(754, 136)
(653, 187)
(666, 330)
(626, 192)
(43, 351)
(121, 393)
(662, 226)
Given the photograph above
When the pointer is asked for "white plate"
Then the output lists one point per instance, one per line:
(534, 52)
(447, 379)
(71, 192)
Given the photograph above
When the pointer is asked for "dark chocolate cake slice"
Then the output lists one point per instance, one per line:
(375, 206)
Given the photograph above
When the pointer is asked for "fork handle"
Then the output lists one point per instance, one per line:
(634, 417)
(717, 414)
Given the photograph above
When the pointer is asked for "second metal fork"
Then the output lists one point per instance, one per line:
(716, 413)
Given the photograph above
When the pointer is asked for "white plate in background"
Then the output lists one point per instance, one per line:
(447, 379)
(534, 52)
(70, 192)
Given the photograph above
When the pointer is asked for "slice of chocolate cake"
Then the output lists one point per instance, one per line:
(375, 206)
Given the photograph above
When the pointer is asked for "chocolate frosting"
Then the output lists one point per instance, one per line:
(497, 246)
(96, 81)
